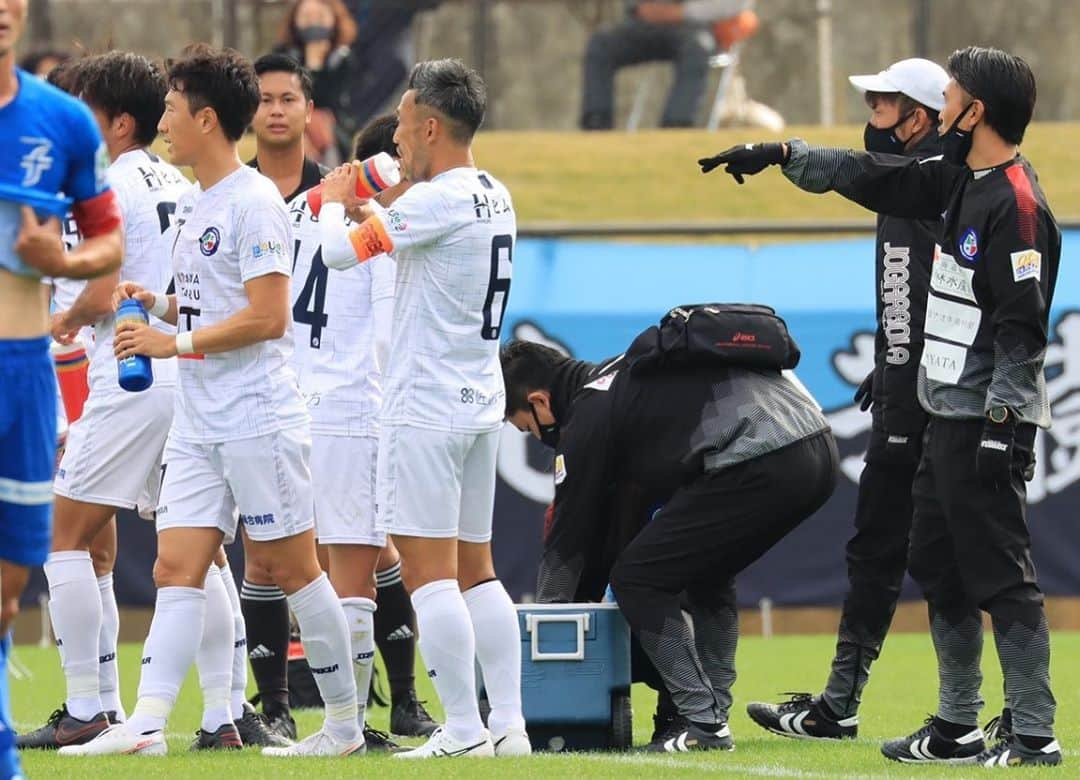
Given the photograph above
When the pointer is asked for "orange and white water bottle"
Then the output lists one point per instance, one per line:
(375, 174)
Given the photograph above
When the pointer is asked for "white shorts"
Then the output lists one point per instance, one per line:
(113, 452)
(436, 484)
(343, 481)
(264, 482)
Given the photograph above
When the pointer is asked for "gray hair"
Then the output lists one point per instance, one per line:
(453, 89)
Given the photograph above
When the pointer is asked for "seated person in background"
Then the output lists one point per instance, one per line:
(677, 31)
(317, 34)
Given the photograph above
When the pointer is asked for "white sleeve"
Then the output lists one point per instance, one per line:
(382, 306)
(264, 239)
(337, 249)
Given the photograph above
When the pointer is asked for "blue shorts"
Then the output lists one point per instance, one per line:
(27, 449)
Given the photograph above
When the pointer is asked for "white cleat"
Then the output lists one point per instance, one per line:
(119, 740)
(442, 745)
(318, 744)
(512, 742)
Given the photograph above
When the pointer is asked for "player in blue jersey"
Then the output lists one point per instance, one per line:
(52, 158)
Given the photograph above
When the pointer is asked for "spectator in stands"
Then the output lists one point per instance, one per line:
(40, 61)
(676, 31)
(317, 34)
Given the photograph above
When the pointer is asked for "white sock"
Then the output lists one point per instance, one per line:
(215, 655)
(360, 617)
(326, 645)
(498, 648)
(108, 672)
(239, 668)
(169, 652)
(75, 609)
(447, 643)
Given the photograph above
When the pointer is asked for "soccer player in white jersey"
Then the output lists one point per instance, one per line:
(240, 439)
(113, 455)
(452, 236)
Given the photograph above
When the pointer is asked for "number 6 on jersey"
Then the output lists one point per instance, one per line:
(502, 255)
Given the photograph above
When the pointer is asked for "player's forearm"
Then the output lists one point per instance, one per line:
(93, 303)
(169, 313)
(248, 326)
(337, 249)
(95, 256)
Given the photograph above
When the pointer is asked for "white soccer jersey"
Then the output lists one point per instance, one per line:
(236, 231)
(453, 240)
(334, 330)
(147, 189)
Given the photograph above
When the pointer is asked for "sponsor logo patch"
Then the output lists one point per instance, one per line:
(267, 248)
(397, 221)
(604, 382)
(560, 469)
(1026, 265)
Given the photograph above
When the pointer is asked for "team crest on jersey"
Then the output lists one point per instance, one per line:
(397, 221)
(969, 244)
(209, 240)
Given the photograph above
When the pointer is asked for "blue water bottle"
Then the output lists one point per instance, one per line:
(135, 373)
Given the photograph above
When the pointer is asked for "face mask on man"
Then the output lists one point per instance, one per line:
(314, 33)
(956, 143)
(549, 434)
(883, 139)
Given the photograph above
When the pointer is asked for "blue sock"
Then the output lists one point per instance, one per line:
(9, 756)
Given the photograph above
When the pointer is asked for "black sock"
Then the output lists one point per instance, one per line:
(665, 705)
(395, 631)
(266, 619)
(951, 730)
(1034, 743)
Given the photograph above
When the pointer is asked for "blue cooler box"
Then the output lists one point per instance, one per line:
(575, 676)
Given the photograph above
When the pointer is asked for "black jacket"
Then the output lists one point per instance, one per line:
(657, 433)
(993, 276)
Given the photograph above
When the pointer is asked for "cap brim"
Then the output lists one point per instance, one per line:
(872, 83)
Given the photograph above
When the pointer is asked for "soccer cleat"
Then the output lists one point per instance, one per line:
(442, 745)
(254, 731)
(281, 723)
(512, 742)
(378, 740)
(119, 740)
(408, 718)
(666, 727)
(695, 738)
(999, 727)
(1009, 753)
(930, 745)
(802, 717)
(318, 744)
(225, 737)
(62, 729)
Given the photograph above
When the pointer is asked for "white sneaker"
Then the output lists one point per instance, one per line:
(118, 740)
(513, 742)
(442, 745)
(318, 744)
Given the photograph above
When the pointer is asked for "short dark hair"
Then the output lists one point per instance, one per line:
(1003, 82)
(527, 366)
(67, 75)
(221, 79)
(283, 63)
(454, 90)
(125, 83)
(905, 104)
(32, 60)
(377, 136)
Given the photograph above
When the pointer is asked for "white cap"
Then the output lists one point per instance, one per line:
(921, 80)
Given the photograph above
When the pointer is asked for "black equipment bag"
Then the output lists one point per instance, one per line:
(715, 334)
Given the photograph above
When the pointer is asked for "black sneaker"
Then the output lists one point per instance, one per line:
(667, 726)
(999, 727)
(62, 729)
(408, 718)
(1009, 753)
(802, 717)
(695, 738)
(254, 732)
(929, 744)
(281, 722)
(225, 738)
(378, 740)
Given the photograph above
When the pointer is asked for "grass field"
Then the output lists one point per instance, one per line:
(902, 691)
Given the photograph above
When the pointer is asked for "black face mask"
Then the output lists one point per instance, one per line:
(956, 143)
(883, 139)
(549, 434)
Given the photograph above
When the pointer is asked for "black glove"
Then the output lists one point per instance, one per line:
(994, 458)
(864, 394)
(746, 159)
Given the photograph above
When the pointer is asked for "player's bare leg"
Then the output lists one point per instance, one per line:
(13, 579)
(498, 646)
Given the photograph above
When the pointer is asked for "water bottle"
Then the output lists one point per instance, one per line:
(377, 173)
(135, 372)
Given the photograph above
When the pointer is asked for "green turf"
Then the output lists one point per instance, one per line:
(902, 692)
